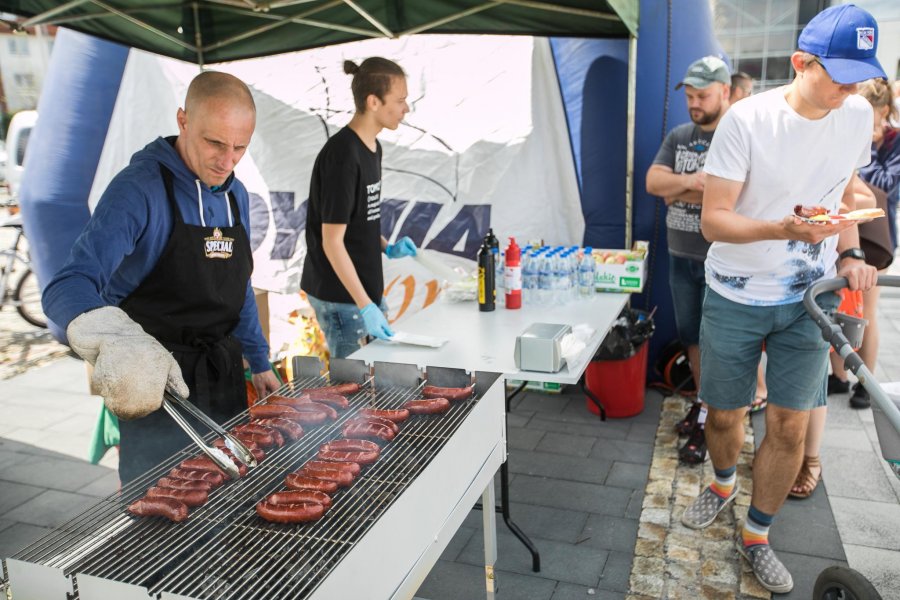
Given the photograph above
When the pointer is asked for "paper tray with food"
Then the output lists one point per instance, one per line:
(819, 214)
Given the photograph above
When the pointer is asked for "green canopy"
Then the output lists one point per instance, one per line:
(211, 31)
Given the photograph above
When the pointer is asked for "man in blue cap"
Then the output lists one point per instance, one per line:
(799, 144)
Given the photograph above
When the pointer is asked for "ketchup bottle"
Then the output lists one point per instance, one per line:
(512, 275)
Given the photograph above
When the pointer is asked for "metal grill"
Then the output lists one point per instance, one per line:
(224, 550)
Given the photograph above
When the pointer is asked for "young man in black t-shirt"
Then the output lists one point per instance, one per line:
(342, 273)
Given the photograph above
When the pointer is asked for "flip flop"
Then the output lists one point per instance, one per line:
(758, 404)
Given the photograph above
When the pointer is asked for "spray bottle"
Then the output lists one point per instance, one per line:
(513, 275)
(486, 288)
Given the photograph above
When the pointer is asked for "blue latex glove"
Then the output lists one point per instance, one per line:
(403, 247)
(376, 323)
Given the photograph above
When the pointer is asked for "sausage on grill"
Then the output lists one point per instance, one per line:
(169, 508)
(379, 420)
(216, 479)
(269, 411)
(289, 429)
(302, 482)
(256, 428)
(351, 446)
(397, 415)
(430, 391)
(351, 467)
(367, 430)
(260, 439)
(184, 484)
(360, 457)
(340, 388)
(300, 512)
(429, 406)
(331, 399)
(342, 478)
(296, 496)
(189, 497)
(253, 447)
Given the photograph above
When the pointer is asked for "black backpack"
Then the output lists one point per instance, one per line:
(674, 367)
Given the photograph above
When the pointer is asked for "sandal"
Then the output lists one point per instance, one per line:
(759, 403)
(694, 450)
(689, 422)
(806, 481)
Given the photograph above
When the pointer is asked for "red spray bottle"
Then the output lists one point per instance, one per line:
(512, 275)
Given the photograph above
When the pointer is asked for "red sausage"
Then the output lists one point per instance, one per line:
(379, 420)
(268, 411)
(301, 482)
(351, 446)
(430, 406)
(169, 508)
(353, 456)
(184, 484)
(290, 513)
(216, 479)
(289, 429)
(297, 496)
(288, 401)
(262, 430)
(329, 412)
(351, 467)
(335, 401)
(260, 439)
(367, 430)
(190, 497)
(253, 447)
(201, 463)
(342, 478)
(431, 391)
(396, 415)
(340, 388)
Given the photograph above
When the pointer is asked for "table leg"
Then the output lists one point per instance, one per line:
(489, 523)
(583, 385)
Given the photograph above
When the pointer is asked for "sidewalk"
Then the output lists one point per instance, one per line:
(602, 501)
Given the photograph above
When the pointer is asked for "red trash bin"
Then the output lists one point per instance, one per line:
(618, 384)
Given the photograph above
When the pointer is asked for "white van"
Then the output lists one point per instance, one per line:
(16, 143)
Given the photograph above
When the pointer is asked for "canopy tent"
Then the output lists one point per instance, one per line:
(211, 31)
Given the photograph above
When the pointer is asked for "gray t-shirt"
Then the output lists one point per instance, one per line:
(684, 151)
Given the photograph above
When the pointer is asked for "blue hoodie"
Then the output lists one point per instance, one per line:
(127, 233)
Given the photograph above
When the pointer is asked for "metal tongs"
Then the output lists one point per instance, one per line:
(238, 449)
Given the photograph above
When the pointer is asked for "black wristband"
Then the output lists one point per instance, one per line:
(856, 253)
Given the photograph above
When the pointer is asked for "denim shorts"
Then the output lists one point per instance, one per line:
(687, 280)
(731, 339)
(342, 325)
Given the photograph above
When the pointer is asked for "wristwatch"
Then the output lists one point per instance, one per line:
(856, 253)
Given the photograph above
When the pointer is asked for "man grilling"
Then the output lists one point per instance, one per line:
(156, 290)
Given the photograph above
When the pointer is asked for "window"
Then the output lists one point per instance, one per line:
(17, 45)
(24, 80)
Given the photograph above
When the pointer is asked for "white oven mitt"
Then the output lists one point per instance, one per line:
(131, 369)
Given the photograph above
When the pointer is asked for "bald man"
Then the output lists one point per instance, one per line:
(156, 290)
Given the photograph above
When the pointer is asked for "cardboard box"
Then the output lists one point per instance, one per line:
(547, 387)
(620, 270)
(262, 307)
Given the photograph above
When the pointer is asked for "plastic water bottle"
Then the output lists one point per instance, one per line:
(560, 278)
(528, 273)
(586, 273)
(572, 269)
(498, 276)
(545, 279)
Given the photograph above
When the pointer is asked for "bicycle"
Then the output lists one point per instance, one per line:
(25, 296)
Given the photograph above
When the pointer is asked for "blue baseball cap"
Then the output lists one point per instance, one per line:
(845, 38)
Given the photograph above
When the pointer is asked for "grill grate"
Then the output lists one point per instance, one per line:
(224, 550)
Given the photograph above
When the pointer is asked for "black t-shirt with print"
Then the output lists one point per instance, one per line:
(345, 189)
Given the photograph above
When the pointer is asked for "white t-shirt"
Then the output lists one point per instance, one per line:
(783, 159)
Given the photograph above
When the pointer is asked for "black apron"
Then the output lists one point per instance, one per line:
(191, 302)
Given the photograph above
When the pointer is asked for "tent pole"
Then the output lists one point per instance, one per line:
(629, 140)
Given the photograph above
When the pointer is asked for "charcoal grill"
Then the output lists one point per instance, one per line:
(379, 539)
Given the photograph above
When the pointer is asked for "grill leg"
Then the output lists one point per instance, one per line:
(489, 523)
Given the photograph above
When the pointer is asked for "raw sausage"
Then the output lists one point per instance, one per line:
(289, 429)
(301, 482)
(340, 388)
(379, 420)
(184, 484)
(190, 497)
(367, 430)
(351, 446)
(351, 467)
(169, 508)
(361, 457)
(430, 391)
(397, 415)
(342, 478)
(297, 496)
(300, 512)
(216, 479)
(262, 430)
(430, 406)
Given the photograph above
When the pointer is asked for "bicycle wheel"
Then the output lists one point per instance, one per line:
(28, 300)
(843, 583)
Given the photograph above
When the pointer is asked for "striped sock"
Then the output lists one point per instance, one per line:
(724, 483)
(756, 528)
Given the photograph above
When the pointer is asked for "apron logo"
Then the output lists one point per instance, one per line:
(865, 38)
(218, 246)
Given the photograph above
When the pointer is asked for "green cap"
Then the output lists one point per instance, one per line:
(705, 72)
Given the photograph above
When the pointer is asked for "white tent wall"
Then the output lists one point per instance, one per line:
(487, 129)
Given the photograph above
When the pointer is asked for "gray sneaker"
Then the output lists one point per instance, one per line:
(771, 574)
(705, 508)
